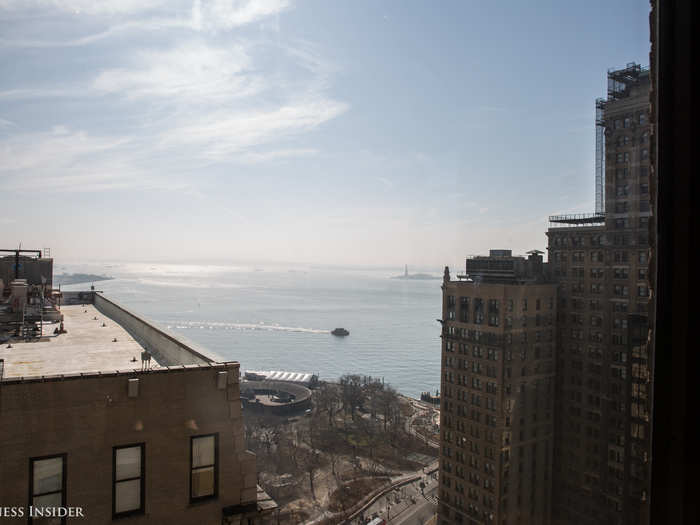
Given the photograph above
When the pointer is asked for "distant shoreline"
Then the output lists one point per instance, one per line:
(416, 277)
(79, 278)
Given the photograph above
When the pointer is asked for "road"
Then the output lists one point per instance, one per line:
(399, 507)
(404, 511)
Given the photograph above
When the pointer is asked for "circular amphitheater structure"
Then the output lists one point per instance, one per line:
(275, 397)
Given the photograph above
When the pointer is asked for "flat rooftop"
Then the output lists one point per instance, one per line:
(87, 346)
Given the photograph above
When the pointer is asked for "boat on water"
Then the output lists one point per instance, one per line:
(340, 332)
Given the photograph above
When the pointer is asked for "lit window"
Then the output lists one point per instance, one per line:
(204, 467)
(128, 480)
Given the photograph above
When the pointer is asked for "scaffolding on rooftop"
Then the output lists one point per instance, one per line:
(599, 156)
(620, 79)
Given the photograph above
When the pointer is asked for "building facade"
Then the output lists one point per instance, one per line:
(600, 261)
(110, 417)
(497, 384)
(591, 427)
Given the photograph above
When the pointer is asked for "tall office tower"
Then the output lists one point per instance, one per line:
(601, 469)
(497, 386)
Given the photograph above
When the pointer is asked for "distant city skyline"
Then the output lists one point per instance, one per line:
(358, 133)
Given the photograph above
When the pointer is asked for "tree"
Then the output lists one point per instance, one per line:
(327, 398)
(310, 462)
(269, 437)
(352, 393)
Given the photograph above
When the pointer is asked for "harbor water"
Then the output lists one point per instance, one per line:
(280, 318)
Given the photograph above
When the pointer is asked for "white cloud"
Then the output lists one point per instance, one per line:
(256, 157)
(66, 160)
(58, 148)
(221, 134)
(193, 70)
(89, 7)
(185, 102)
(228, 14)
(209, 15)
(215, 98)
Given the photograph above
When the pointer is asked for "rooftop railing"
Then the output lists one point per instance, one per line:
(576, 219)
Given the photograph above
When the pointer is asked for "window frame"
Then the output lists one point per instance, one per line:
(215, 494)
(142, 478)
(64, 477)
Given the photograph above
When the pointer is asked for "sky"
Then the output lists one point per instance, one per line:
(358, 132)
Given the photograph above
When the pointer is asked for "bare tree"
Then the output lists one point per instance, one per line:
(311, 462)
(328, 399)
(352, 393)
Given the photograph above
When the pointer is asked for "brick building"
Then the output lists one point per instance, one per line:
(600, 262)
(118, 418)
(578, 451)
(496, 391)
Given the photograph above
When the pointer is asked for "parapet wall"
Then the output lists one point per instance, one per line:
(166, 348)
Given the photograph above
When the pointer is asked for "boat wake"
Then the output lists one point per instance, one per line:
(216, 325)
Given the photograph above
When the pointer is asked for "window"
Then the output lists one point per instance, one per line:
(620, 273)
(494, 312)
(621, 207)
(128, 485)
(620, 306)
(642, 118)
(621, 224)
(204, 467)
(597, 273)
(478, 311)
(627, 122)
(48, 481)
(620, 291)
(621, 257)
(464, 309)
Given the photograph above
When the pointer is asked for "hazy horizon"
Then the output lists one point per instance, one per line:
(360, 133)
